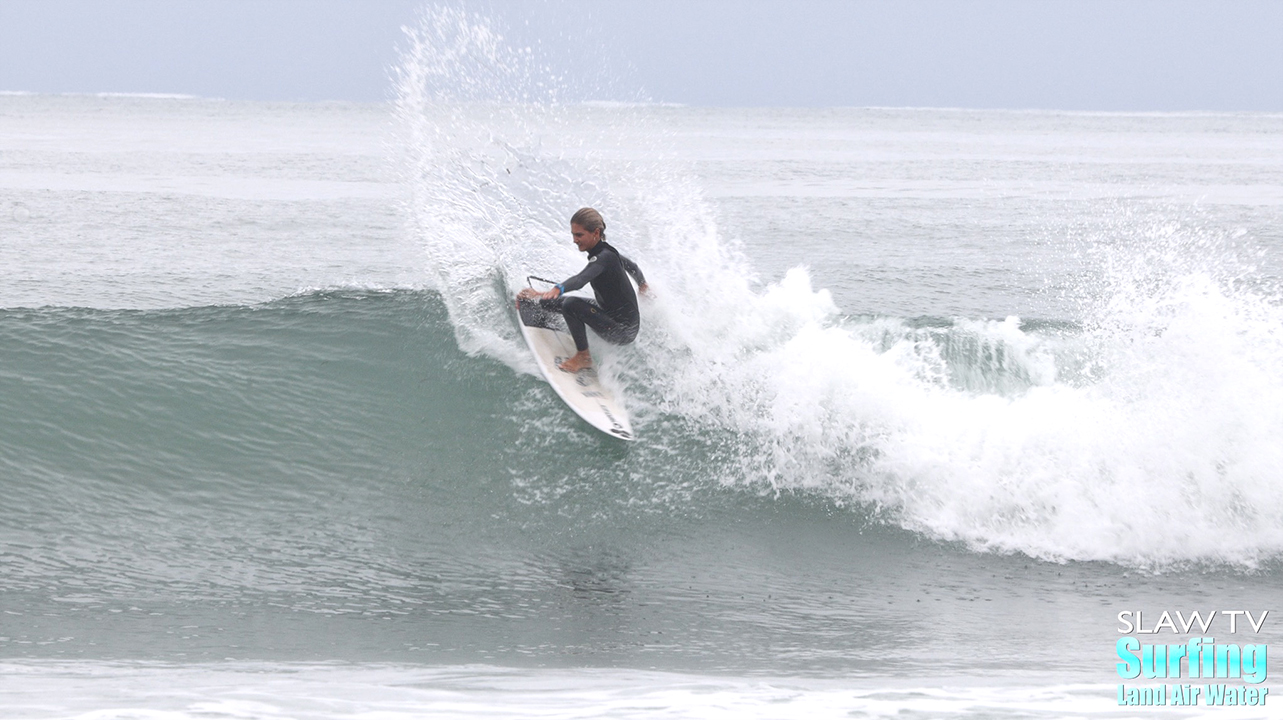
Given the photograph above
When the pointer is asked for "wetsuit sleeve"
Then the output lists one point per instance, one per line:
(585, 276)
(633, 270)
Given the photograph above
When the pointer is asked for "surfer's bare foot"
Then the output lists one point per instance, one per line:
(577, 362)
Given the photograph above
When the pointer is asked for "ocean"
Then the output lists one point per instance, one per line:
(924, 400)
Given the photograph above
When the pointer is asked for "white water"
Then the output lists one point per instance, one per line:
(246, 691)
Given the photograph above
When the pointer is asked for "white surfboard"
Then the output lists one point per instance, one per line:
(550, 341)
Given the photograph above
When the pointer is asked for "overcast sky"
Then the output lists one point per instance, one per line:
(1053, 54)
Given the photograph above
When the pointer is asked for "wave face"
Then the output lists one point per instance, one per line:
(154, 454)
(329, 475)
(1139, 429)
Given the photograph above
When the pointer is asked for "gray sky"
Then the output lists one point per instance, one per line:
(1067, 54)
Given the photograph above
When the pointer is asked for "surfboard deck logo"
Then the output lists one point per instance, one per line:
(550, 341)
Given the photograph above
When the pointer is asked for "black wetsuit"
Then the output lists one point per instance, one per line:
(614, 316)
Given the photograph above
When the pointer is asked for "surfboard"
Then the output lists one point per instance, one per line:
(551, 343)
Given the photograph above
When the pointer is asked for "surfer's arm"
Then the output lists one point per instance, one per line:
(584, 277)
(632, 269)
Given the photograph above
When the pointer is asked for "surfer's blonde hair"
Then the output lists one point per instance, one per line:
(590, 220)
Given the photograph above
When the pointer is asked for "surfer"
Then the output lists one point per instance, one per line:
(614, 315)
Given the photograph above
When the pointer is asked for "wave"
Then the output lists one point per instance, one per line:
(1012, 436)
(1141, 432)
(396, 692)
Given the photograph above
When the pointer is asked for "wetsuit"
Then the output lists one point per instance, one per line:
(614, 315)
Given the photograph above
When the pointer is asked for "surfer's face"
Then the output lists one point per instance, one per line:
(584, 240)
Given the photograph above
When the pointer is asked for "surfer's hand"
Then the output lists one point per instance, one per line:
(551, 294)
(644, 289)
